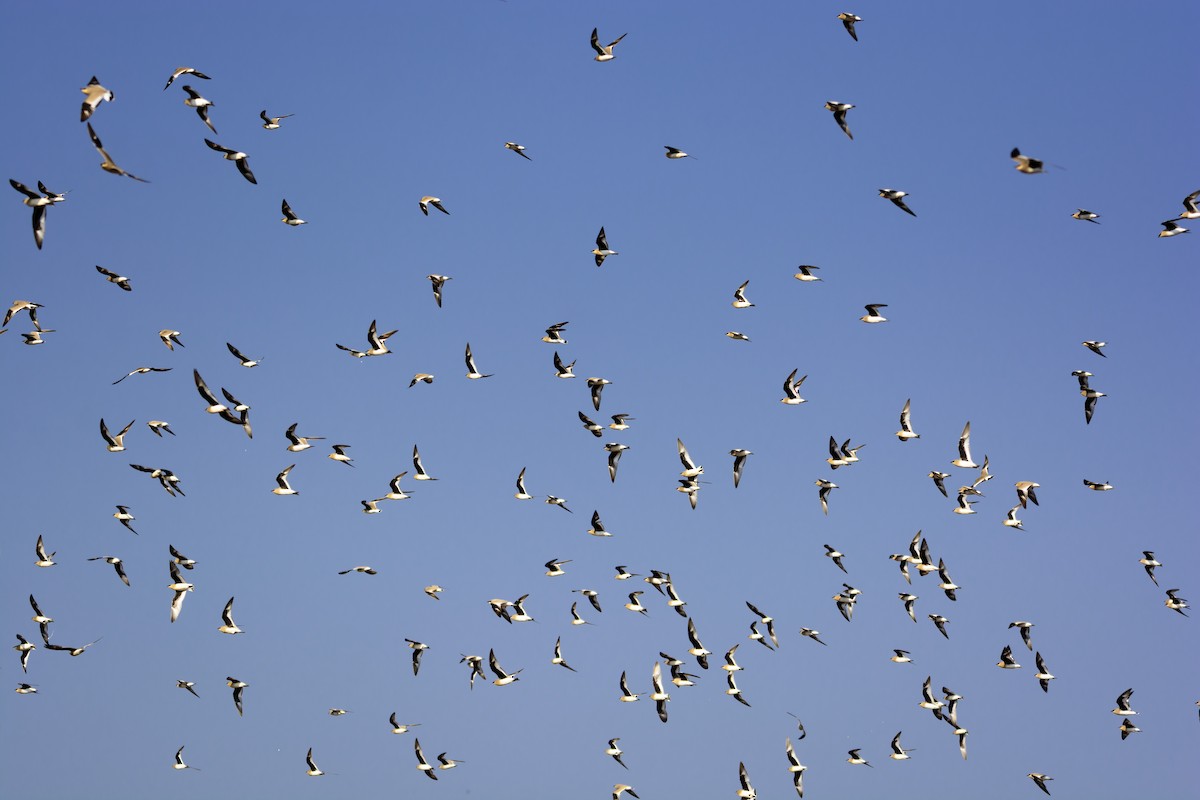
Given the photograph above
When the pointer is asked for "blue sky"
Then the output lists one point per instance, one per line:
(989, 291)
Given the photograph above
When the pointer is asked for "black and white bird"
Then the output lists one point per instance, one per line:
(839, 115)
(605, 52)
(897, 197)
(237, 157)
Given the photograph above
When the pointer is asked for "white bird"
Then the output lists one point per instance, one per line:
(791, 389)
(1006, 659)
(596, 387)
(739, 463)
(614, 456)
(398, 728)
(673, 152)
(1011, 521)
(179, 760)
(1170, 228)
(1148, 561)
(747, 791)
(1086, 216)
(201, 104)
(437, 282)
(419, 468)
(906, 430)
(238, 687)
(108, 165)
(848, 21)
(1025, 164)
(472, 371)
(518, 149)
(839, 115)
(1043, 675)
(898, 752)
(605, 52)
(237, 157)
(284, 487)
(522, 494)
(117, 564)
(1191, 206)
(964, 450)
(184, 71)
(289, 216)
(94, 95)
(170, 338)
(873, 315)
(227, 618)
(422, 764)
(690, 470)
(738, 336)
(436, 202)
(635, 604)
(1103, 486)
(805, 273)
(47, 560)
(602, 250)
(823, 494)
(39, 203)
(115, 444)
(502, 678)
(272, 123)
(447, 763)
(554, 334)
(658, 695)
(561, 502)
(795, 768)
(562, 370)
(615, 751)
(180, 587)
(619, 788)
(597, 528)
(855, 758)
(739, 297)
(897, 198)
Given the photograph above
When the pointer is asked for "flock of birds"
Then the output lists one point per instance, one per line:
(918, 557)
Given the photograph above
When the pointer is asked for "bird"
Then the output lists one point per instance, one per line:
(1025, 492)
(602, 250)
(690, 470)
(964, 450)
(188, 686)
(738, 336)
(39, 203)
(437, 282)
(562, 370)
(522, 494)
(117, 564)
(194, 100)
(901, 657)
(115, 444)
(823, 494)
(623, 574)
(502, 678)
(897, 197)
(518, 149)
(165, 477)
(313, 771)
(848, 21)
(928, 701)
(733, 691)
(1174, 602)
(558, 501)
(591, 425)
(284, 487)
(421, 377)
(418, 649)
(837, 557)
(180, 587)
(419, 468)
(472, 371)
(839, 115)
(1086, 216)
(1170, 228)
(619, 788)
(433, 590)
(108, 165)
(898, 752)
(237, 157)
(906, 430)
(855, 758)
(873, 315)
(339, 454)
(272, 123)
(615, 751)
(157, 426)
(605, 52)
(697, 649)
(398, 728)
(447, 763)
(1025, 164)
(940, 622)
(289, 216)
(672, 152)
(747, 791)
(436, 202)
(179, 760)
(614, 456)
(1123, 708)
(795, 767)
(94, 95)
(238, 687)
(948, 586)
(658, 695)
(791, 389)
(24, 648)
(1025, 628)
(635, 604)
(596, 387)
(476, 665)
(593, 597)
(1043, 675)
(362, 569)
(554, 334)
(422, 764)
(739, 297)
(179, 558)
(805, 273)
(298, 443)
(228, 625)
(1006, 659)
(170, 338)
(910, 601)
(1040, 780)
(739, 463)
(1096, 347)
(1127, 727)
(812, 634)
(1103, 486)
(554, 567)
(558, 657)
(1191, 206)
(43, 559)
(1149, 562)
(731, 664)
(185, 71)
(376, 340)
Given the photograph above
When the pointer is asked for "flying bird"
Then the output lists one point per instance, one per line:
(1043, 675)
(1086, 216)
(848, 21)
(739, 463)
(94, 95)
(437, 282)
(201, 104)
(185, 71)
(897, 197)
(237, 687)
(1040, 780)
(1149, 562)
(518, 149)
(839, 115)
(284, 487)
(605, 51)
(791, 389)
(39, 203)
(272, 123)
(1170, 228)
(596, 387)
(422, 764)
(602, 250)
(1025, 164)
(108, 165)
(805, 273)
(237, 157)
(289, 216)
(873, 315)
(228, 625)
(472, 371)
(115, 444)
(428, 200)
(43, 559)
(672, 152)
(117, 564)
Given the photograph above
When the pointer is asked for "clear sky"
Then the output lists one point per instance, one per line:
(989, 292)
